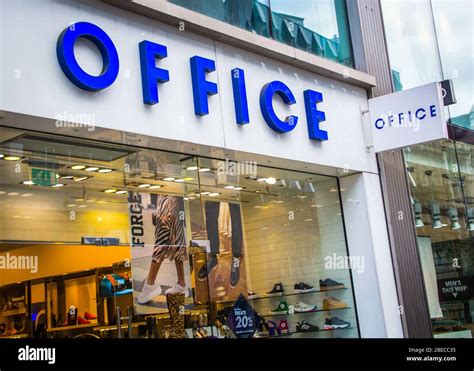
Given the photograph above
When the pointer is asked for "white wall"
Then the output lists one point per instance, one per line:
(33, 83)
(367, 236)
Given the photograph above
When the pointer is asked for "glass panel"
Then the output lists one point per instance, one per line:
(411, 42)
(106, 231)
(319, 27)
(292, 232)
(251, 15)
(440, 176)
(457, 55)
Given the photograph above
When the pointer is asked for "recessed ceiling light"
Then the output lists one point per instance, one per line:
(104, 170)
(71, 205)
(78, 167)
(144, 185)
(205, 193)
(121, 192)
(156, 186)
(238, 188)
(168, 179)
(2, 155)
(214, 194)
(80, 179)
(229, 187)
(57, 185)
(91, 168)
(192, 168)
(82, 206)
(110, 190)
(26, 195)
(66, 176)
(204, 169)
(257, 191)
(270, 180)
(28, 182)
(179, 180)
(12, 194)
(12, 158)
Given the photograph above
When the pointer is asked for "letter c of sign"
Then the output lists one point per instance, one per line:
(378, 126)
(68, 62)
(266, 106)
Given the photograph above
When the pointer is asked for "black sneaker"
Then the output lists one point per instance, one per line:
(306, 327)
(303, 287)
(235, 272)
(335, 323)
(277, 290)
(329, 284)
(206, 270)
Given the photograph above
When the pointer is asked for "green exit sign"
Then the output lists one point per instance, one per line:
(45, 178)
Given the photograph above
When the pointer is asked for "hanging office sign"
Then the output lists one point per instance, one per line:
(407, 118)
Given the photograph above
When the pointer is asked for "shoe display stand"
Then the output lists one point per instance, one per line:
(257, 302)
(14, 311)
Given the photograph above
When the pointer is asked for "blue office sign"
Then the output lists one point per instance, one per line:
(202, 70)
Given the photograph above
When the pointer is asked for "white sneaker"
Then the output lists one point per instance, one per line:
(302, 307)
(177, 289)
(148, 293)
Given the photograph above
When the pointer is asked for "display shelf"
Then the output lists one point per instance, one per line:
(19, 336)
(13, 312)
(264, 296)
(70, 328)
(114, 327)
(313, 311)
(305, 333)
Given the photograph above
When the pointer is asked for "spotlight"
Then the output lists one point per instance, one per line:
(12, 158)
(170, 179)
(156, 186)
(229, 187)
(80, 179)
(214, 194)
(28, 182)
(418, 213)
(204, 169)
(2, 155)
(270, 180)
(192, 168)
(179, 180)
(110, 190)
(91, 168)
(78, 167)
(105, 170)
(453, 215)
(470, 218)
(144, 185)
(120, 192)
(57, 185)
(435, 215)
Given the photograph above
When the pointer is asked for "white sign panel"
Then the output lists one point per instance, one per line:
(408, 117)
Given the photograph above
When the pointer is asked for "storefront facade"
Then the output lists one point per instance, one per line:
(440, 173)
(260, 147)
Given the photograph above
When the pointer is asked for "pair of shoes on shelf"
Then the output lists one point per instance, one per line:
(278, 329)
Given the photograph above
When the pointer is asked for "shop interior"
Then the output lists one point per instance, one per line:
(68, 270)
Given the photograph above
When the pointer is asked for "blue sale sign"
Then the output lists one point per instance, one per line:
(242, 319)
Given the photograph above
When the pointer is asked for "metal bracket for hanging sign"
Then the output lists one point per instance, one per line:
(365, 122)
